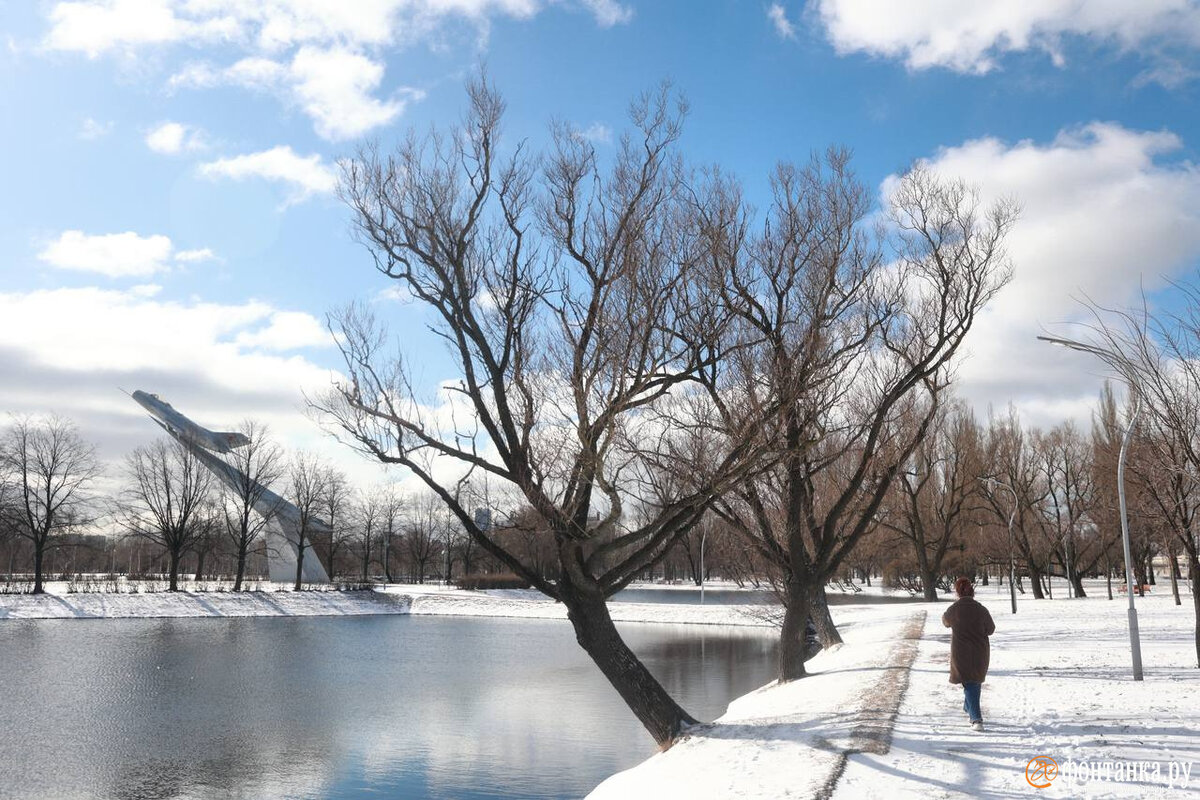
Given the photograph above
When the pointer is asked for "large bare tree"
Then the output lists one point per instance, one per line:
(51, 468)
(852, 336)
(166, 499)
(578, 314)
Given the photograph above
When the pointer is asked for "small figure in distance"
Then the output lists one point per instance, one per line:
(970, 625)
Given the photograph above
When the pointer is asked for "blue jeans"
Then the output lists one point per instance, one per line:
(971, 701)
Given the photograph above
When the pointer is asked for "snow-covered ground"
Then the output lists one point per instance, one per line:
(528, 603)
(1060, 686)
(198, 604)
(424, 599)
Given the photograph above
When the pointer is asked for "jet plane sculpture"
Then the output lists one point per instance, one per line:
(283, 527)
(183, 428)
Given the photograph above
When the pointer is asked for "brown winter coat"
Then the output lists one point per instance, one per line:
(971, 625)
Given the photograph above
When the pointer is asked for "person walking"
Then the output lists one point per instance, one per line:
(970, 625)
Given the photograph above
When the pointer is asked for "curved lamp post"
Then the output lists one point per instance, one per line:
(1135, 644)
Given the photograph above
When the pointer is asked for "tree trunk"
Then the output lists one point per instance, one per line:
(1174, 571)
(39, 551)
(983, 580)
(929, 586)
(641, 691)
(1035, 582)
(241, 567)
(1077, 582)
(300, 564)
(827, 632)
(200, 565)
(174, 572)
(792, 644)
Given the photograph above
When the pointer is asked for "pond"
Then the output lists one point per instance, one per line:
(338, 707)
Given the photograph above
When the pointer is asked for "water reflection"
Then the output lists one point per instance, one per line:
(337, 707)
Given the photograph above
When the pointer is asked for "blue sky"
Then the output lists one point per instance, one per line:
(167, 163)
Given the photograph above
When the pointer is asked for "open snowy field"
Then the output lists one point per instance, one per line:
(1060, 686)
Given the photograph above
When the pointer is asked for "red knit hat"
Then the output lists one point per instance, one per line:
(963, 588)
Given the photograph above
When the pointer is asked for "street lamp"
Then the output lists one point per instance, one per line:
(1135, 644)
(1012, 563)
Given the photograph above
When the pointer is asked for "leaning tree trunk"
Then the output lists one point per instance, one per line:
(598, 636)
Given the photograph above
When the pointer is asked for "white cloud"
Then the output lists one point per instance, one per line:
(1102, 213)
(609, 12)
(117, 255)
(286, 330)
(307, 175)
(95, 27)
(324, 57)
(203, 357)
(171, 138)
(597, 133)
(193, 256)
(968, 35)
(334, 86)
(92, 129)
(783, 26)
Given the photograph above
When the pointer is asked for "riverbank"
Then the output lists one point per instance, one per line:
(115, 605)
(421, 600)
(1060, 686)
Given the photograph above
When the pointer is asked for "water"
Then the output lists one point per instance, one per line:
(384, 706)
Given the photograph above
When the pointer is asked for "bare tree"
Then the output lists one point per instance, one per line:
(392, 507)
(308, 484)
(935, 494)
(336, 514)
(166, 492)
(248, 506)
(370, 512)
(51, 468)
(849, 345)
(424, 533)
(578, 316)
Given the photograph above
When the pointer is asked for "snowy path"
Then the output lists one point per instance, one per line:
(789, 741)
(1059, 686)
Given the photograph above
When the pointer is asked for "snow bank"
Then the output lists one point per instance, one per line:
(530, 604)
(782, 740)
(199, 604)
